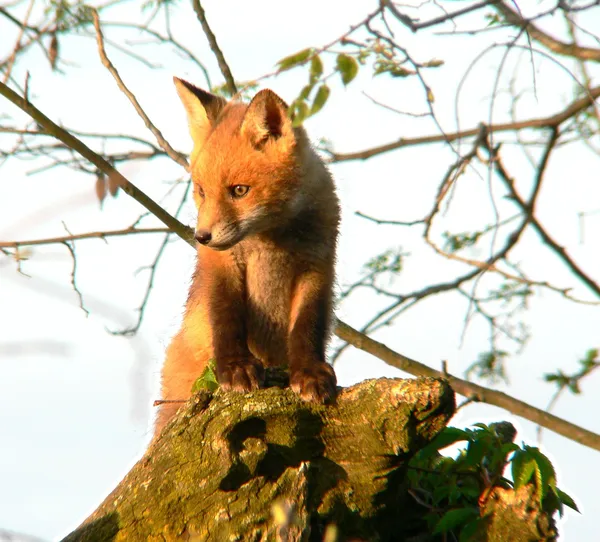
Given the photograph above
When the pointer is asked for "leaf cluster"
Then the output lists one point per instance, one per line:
(455, 490)
(589, 363)
(316, 92)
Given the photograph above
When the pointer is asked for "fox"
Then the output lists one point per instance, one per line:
(268, 220)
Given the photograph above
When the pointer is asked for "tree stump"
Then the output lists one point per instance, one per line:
(268, 466)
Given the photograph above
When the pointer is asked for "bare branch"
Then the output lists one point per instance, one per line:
(153, 268)
(77, 145)
(554, 44)
(214, 46)
(90, 235)
(71, 249)
(528, 209)
(469, 389)
(544, 122)
(407, 21)
(17, 46)
(390, 222)
(164, 144)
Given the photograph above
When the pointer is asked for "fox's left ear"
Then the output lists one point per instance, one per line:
(266, 119)
(202, 108)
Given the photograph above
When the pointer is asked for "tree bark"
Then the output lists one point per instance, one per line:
(268, 466)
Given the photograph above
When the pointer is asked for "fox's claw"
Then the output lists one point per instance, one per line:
(241, 376)
(315, 383)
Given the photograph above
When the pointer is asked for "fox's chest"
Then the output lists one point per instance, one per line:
(270, 277)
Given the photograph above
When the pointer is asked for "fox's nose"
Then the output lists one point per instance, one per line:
(203, 237)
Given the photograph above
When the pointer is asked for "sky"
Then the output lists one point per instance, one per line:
(75, 400)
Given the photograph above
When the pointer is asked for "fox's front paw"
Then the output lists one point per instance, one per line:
(242, 375)
(315, 383)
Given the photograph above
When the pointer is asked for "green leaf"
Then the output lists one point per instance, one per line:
(522, 467)
(507, 448)
(454, 518)
(493, 19)
(294, 60)
(544, 471)
(475, 452)
(434, 63)
(481, 426)
(591, 355)
(316, 68)
(566, 500)
(207, 380)
(298, 111)
(574, 387)
(468, 532)
(448, 436)
(305, 92)
(347, 66)
(320, 99)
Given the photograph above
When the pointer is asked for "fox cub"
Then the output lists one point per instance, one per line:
(268, 219)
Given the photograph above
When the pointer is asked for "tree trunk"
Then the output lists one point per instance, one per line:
(268, 466)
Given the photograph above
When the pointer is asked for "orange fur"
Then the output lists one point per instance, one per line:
(267, 229)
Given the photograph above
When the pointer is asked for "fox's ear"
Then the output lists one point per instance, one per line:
(266, 118)
(202, 108)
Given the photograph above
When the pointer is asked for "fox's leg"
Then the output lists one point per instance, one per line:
(237, 368)
(311, 377)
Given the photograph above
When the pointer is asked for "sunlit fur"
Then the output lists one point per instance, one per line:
(262, 288)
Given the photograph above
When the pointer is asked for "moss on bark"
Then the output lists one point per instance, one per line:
(267, 466)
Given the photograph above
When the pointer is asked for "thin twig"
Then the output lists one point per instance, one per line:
(535, 223)
(390, 222)
(153, 268)
(544, 122)
(164, 144)
(407, 21)
(214, 46)
(555, 45)
(71, 249)
(77, 145)
(76, 237)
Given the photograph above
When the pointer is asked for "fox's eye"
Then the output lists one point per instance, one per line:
(200, 191)
(239, 190)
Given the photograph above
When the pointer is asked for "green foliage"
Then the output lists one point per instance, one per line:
(455, 489)
(347, 64)
(246, 89)
(68, 15)
(208, 378)
(493, 19)
(157, 4)
(347, 67)
(297, 59)
(304, 106)
(456, 242)
(530, 465)
(589, 363)
(299, 111)
(390, 261)
(320, 99)
(454, 518)
(489, 365)
(509, 290)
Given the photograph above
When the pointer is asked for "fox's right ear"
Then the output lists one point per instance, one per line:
(202, 108)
